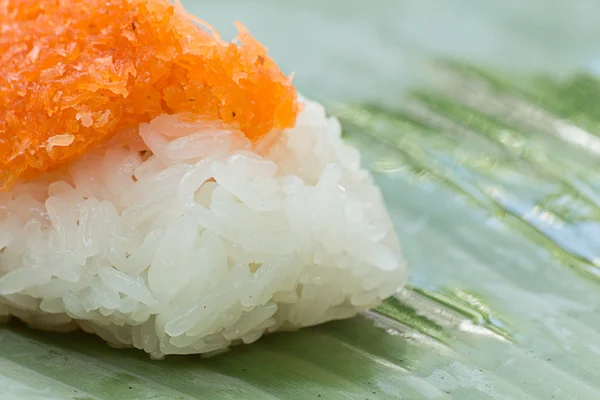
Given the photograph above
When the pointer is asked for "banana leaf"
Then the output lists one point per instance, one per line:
(489, 174)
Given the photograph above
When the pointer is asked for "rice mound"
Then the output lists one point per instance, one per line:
(204, 241)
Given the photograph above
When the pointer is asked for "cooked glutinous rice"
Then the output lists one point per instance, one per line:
(201, 242)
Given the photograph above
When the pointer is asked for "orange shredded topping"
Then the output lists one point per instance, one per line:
(75, 72)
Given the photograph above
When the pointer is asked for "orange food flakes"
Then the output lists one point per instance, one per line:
(75, 72)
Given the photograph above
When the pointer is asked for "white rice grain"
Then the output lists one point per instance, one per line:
(203, 242)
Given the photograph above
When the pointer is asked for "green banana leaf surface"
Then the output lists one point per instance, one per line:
(489, 166)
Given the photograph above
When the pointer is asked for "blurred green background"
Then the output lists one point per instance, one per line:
(358, 49)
